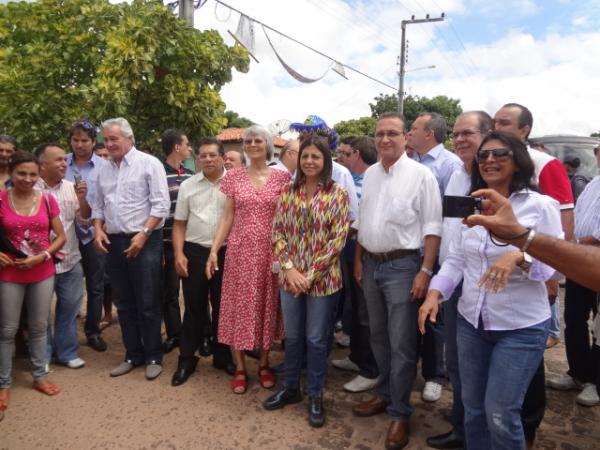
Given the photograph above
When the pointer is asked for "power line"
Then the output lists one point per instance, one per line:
(305, 45)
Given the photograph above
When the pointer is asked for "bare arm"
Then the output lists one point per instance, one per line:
(421, 281)
(567, 219)
(223, 230)
(178, 238)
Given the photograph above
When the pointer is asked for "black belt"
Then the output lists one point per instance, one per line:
(390, 256)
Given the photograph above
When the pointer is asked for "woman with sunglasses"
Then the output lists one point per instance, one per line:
(249, 316)
(26, 269)
(504, 313)
(309, 232)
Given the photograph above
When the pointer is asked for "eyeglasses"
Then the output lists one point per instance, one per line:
(465, 134)
(83, 124)
(346, 154)
(500, 154)
(253, 141)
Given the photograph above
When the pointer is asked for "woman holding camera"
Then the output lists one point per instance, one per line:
(504, 313)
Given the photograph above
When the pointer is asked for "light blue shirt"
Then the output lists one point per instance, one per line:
(587, 211)
(442, 164)
(88, 173)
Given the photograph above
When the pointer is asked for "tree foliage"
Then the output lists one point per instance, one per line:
(235, 121)
(365, 126)
(414, 105)
(596, 134)
(63, 60)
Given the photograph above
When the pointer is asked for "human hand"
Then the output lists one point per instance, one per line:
(30, 261)
(101, 239)
(296, 283)
(428, 309)
(5, 260)
(358, 269)
(420, 285)
(181, 266)
(81, 190)
(212, 265)
(136, 245)
(498, 215)
(496, 276)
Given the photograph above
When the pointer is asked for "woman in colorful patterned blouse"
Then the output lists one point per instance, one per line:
(309, 232)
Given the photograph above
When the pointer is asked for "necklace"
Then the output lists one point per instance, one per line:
(21, 210)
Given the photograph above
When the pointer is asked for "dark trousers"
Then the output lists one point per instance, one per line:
(579, 303)
(170, 294)
(360, 336)
(136, 283)
(196, 290)
(534, 404)
(94, 266)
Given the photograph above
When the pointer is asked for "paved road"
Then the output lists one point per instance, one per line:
(95, 411)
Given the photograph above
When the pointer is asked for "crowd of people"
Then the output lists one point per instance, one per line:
(279, 252)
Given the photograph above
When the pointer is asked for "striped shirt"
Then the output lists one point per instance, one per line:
(587, 211)
(442, 164)
(64, 193)
(130, 192)
(174, 179)
(358, 182)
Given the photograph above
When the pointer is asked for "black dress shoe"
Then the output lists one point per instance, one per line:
(285, 396)
(97, 343)
(316, 412)
(205, 348)
(451, 439)
(228, 367)
(185, 368)
(170, 344)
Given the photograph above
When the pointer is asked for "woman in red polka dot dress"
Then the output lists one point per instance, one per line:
(250, 315)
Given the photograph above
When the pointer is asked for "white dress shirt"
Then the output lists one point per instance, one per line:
(200, 203)
(130, 192)
(342, 176)
(459, 184)
(524, 302)
(398, 208)
(64, 193)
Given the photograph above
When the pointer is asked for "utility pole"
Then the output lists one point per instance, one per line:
(403, 55)
(186, 11)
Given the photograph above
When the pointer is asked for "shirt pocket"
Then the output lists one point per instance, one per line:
(401, 212)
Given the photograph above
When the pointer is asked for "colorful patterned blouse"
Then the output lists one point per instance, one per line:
(311, 232)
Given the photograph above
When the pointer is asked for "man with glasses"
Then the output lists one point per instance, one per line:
(83, 165)
(288, 157)
(176, 148)
(469, 131)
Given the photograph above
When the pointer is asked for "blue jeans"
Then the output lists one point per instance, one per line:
(393, 323)
(450, 313)
(137, 285)
(93, 263)
(496, 368)
(307, 323)
(555, 319)
(69, 294)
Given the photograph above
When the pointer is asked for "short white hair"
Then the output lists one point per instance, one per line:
(123, 125)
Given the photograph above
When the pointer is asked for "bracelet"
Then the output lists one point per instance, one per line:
(427, 271)
(47, 255)
(528, 241)
(512, 238)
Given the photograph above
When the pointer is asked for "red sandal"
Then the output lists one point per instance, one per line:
(266, 377)
(4, 401)
(45, 387)
(239, 385)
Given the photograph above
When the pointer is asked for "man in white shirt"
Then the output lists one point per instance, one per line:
(400, 210)
(469, 130)
(288, 157)
(68, 284)
(129, 211)
(199, 208)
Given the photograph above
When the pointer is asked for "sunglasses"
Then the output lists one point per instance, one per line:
(500, 154)
(83, 124)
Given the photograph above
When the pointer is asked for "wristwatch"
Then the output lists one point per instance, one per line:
(526, 263)
(147, 231)
(288, 265)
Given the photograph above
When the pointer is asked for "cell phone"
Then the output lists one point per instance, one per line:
(460, 206)
(77, 179)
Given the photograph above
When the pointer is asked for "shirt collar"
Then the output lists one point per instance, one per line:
(202, 178)
(434, 152)
(93, 161)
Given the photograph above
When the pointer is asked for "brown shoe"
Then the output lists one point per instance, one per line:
(397, 436)
(371, 407)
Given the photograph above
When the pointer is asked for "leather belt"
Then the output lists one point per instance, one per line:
(390, 256)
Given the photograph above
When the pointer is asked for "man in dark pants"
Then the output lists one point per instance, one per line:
(176, 148)
(199, 207)
(131, 204)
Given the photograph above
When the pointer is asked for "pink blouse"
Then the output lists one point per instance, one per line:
(31, 232)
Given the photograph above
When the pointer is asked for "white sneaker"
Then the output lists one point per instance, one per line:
(360, 384)
(76, 363)
(343, 340)
(563, 383)
(432, 391)
(588, 396)
(345, 364)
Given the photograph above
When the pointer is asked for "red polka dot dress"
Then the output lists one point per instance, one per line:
(250, 315)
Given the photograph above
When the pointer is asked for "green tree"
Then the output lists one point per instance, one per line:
(365, 126)
(596, 134)
(414, 105)
(62, 60)
(235, 121)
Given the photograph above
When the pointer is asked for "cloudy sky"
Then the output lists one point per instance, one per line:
(543, 54)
